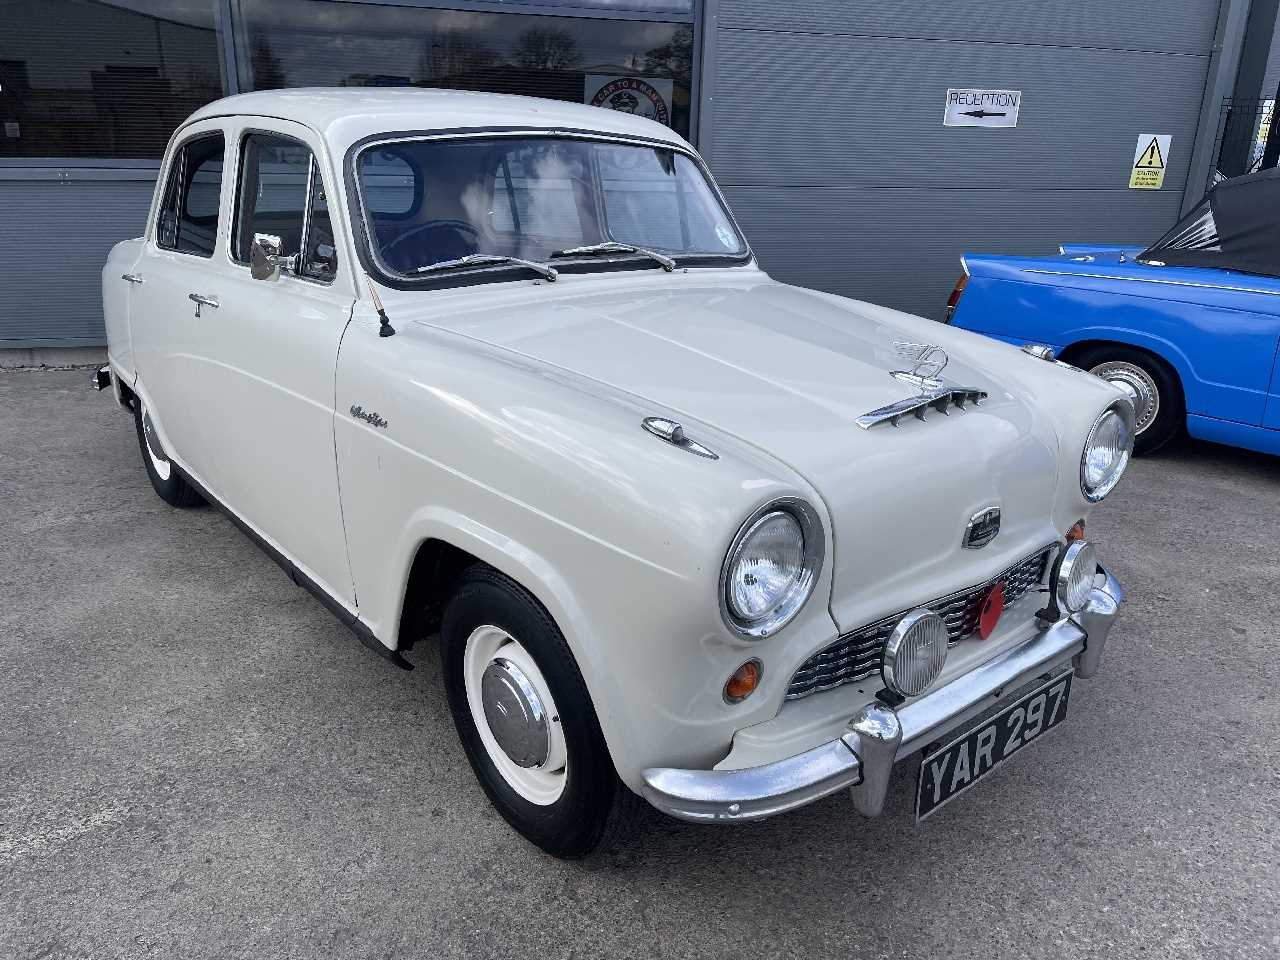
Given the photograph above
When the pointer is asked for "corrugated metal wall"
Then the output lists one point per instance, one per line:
(823, 123)
(56, 236)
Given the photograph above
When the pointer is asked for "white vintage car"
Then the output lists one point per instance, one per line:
(505, 370)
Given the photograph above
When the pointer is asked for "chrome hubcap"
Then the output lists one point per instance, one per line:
(1138, 384)
(515, 713)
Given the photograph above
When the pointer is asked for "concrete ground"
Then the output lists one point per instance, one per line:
(197, 760)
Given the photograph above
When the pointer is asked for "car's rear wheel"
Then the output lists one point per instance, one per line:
(526, 720)
(1158, 405)
(165, 478)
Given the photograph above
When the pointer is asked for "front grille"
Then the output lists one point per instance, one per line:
(857, 655)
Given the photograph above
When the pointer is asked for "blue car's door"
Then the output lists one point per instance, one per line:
(1272, 418)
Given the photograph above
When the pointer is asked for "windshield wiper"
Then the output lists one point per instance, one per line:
(489, 260)
(612, 246)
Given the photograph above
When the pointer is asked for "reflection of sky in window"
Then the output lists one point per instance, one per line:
(323, 43)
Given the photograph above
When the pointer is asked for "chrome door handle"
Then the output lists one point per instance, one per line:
(131, 277)
(200, 300)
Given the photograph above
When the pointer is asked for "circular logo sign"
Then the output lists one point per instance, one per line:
(633, 95)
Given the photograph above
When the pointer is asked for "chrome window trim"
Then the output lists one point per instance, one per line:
(814, 552)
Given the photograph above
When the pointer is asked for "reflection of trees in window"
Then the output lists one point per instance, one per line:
(673, 59)
(448, 55)
(543, 48)
(268, 73)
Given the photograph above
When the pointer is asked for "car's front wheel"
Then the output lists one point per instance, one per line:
(526, 720)
(1158, 405)
(165, 478)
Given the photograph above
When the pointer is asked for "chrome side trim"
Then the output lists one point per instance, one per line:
(1169, 283)
(940, 399)
(878, 737)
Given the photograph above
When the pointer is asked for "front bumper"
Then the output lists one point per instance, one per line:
(878, 736)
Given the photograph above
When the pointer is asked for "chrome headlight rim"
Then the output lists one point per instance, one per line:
(1124, 410)
(813, 550)
(1079, 564)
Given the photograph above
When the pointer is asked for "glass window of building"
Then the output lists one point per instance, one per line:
(103, 78)
(622, 61)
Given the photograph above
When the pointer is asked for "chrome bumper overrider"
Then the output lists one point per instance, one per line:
(879, 736)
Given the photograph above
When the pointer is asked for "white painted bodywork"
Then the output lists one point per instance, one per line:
(513, 415)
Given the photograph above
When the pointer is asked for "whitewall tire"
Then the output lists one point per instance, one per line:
(526, 720)
(165, 478)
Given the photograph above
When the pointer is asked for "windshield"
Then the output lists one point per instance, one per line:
(433, 201)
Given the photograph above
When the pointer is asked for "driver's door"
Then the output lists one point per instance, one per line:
(271, 349)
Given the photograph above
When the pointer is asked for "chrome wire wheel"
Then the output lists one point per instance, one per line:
(515, 715)
(159, 462)
(1138, 384)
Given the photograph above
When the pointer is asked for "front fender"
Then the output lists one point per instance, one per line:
(619, 535)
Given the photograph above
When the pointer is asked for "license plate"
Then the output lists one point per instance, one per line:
(950, 771)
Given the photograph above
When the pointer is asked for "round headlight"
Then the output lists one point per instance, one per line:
(1075, 576)
(1107, 451)
(915, 653)
(771, 568)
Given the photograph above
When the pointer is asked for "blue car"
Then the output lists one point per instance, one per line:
(1189, 326)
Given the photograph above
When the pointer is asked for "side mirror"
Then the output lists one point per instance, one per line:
(265, 259)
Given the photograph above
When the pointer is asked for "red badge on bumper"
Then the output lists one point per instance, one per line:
(992, 608)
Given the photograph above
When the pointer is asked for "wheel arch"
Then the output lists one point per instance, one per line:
(442, 546)
(1181, 372)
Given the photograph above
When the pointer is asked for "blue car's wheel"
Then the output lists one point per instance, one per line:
(1158, 405)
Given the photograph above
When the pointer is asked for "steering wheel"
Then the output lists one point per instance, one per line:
(464, 235)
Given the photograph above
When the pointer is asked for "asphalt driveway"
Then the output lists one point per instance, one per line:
(197, 760)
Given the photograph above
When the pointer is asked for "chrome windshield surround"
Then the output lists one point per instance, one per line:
(814, 551)
(940, 399)
(371, 258)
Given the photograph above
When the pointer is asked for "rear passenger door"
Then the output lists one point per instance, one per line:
(178, 257)
(271, 347)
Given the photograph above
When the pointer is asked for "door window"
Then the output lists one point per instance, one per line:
(281, 194)
(188, 218)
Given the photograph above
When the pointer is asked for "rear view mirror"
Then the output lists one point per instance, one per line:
(265, 259)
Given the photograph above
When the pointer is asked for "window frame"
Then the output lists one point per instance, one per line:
(313, 171)
(233, 49)
(372, 263)
(179, 156)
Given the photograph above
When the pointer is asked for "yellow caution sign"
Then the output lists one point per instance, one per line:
(1149, 160)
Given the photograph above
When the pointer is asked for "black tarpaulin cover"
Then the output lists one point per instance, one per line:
(1235, 227)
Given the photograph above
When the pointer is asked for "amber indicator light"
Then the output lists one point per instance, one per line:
(743, 682)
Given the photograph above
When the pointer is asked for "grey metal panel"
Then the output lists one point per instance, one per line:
(852, 109)
(56, 238)
(902, 248)
(1182, 26)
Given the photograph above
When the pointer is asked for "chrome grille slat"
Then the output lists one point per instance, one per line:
(857, 655)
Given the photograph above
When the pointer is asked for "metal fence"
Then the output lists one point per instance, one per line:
(1248, 139)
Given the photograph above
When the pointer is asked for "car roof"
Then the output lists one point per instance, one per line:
(344, 115)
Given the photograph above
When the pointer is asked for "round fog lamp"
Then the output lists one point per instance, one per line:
(1075, 576)
(915, 653)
